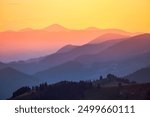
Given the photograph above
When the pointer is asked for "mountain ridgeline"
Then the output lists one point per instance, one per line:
(109, 88)
(126, 56)
(120, 57)
(17, 45)
(11, 79)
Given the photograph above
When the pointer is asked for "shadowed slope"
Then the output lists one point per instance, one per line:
(11, 79)
(140, 76)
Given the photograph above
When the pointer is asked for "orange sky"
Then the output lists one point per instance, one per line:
(130, 15)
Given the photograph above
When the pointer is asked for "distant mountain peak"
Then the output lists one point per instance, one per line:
(56, 28)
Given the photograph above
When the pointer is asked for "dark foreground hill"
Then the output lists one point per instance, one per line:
(11, 79)
(110, 88)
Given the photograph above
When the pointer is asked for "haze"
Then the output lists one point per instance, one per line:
(129, 15)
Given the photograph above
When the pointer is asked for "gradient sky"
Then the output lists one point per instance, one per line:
(130, 15)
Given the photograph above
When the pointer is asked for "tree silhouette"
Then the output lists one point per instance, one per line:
(21, 91)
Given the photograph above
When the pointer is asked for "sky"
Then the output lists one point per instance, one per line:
(129, 15)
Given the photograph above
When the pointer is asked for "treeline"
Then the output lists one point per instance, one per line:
(67, 89)
(61, 90)
(110, 78)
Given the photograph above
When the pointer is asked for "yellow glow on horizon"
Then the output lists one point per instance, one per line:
(130, 15)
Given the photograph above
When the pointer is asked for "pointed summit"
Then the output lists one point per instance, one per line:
(56, 28)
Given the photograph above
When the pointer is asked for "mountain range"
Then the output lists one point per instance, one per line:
(60, 57)
(120, 54)
(30, 43)
(120, 57)
(110, 53)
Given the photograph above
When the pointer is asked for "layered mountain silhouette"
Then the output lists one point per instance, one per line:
(29, 43)
(108, 53)
(120, 54)
(72, 71)
(127, 48)
(122, 58)
(65, 54)
(11, 79)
